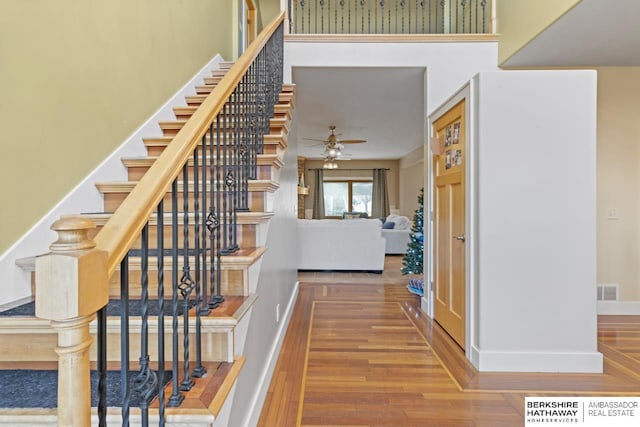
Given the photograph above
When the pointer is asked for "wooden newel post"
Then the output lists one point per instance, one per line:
(71, 286)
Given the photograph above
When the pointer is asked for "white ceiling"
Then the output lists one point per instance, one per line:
(595, 33)
(385, 106)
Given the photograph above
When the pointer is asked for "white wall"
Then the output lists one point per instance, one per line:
(536, 237)
(276, 286)
(449, 65)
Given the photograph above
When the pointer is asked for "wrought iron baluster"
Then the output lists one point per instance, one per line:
(244, 146)
(422, 6)
(176, 397)
(477, 3)
(442, 3)
(213, 218)
(204, 285)
(328, 16)
(463, 4)
(146, 381)
(102, 366)
(315, 17)
(321, 16)
(342, 17)
(160, 261)
(483, 3)
(295, 16)
(368, 18)
(396, 23)
(456, 16)
(216, 273)
(430, 18)
(309, 19)
(186, 285)
(402, 5)
(303, 3)
(198, 370)
(124, 340)
(362, 2)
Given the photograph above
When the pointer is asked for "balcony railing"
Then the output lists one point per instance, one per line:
(389, 16)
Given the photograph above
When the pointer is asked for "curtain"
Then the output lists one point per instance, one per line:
(380, 196)
(318, 195)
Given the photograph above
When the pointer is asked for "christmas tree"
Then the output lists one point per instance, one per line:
(412, 261)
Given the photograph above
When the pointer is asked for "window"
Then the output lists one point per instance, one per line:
(347, 196)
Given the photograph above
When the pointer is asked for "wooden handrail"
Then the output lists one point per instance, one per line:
(120, 232)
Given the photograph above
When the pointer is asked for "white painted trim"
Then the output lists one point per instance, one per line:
(262, 384)
(621, 308)
(571, 362)
(85, 197)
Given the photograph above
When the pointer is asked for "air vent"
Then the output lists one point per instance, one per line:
(608, 292)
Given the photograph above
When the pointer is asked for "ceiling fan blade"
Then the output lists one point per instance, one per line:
(352, 141)
(316, 140)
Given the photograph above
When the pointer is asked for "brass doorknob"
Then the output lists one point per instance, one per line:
(461, 237)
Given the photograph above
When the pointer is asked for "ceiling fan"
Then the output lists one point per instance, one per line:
(333, 147)
(333, 140)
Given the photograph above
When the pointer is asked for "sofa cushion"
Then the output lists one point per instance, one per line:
(388, 225)
(401, 222)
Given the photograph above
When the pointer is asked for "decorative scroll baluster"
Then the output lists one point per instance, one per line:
(342, 16)
(203, 306)
(483, 3)
(102, 366)
(362, 2)
(368, 18)
(422, 6)
(329, 16)
(124, 340)
(463, 4)
(160, 260)
(442, 2)
(146, 381)
(200, 254)
(402, 5)
(321, 17)
(186, 284)
(176, 397)
(302, 5)
(396, 20)
(213, 221)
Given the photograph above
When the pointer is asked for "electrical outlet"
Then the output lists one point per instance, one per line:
(277, 313)
(612, 213)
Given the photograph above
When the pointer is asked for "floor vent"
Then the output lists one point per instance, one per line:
(608, 292)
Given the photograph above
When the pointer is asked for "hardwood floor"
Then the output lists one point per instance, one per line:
(360, 352)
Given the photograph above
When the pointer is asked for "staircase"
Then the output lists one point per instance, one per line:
(221, 249)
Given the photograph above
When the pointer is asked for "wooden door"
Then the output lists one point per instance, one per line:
(449, 224)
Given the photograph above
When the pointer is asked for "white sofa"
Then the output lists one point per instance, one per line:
(336, 244)
(399, 236)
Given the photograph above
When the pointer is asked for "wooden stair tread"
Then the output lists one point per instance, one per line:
(266, 185)
(262, 159)
(225, 317)
(201, 405)
(249, 218)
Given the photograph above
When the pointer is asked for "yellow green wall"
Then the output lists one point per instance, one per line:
(520, 21)
(618, 168)
(78, 76)
(267, 11)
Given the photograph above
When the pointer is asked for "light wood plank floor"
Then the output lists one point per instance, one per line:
(359, 352)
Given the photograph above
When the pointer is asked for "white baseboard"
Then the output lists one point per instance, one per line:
(492, 361)
(262, 385)
(624, 308)
(85, 197)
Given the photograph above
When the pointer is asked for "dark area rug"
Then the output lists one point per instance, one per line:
(39, 389)
(113, 308)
